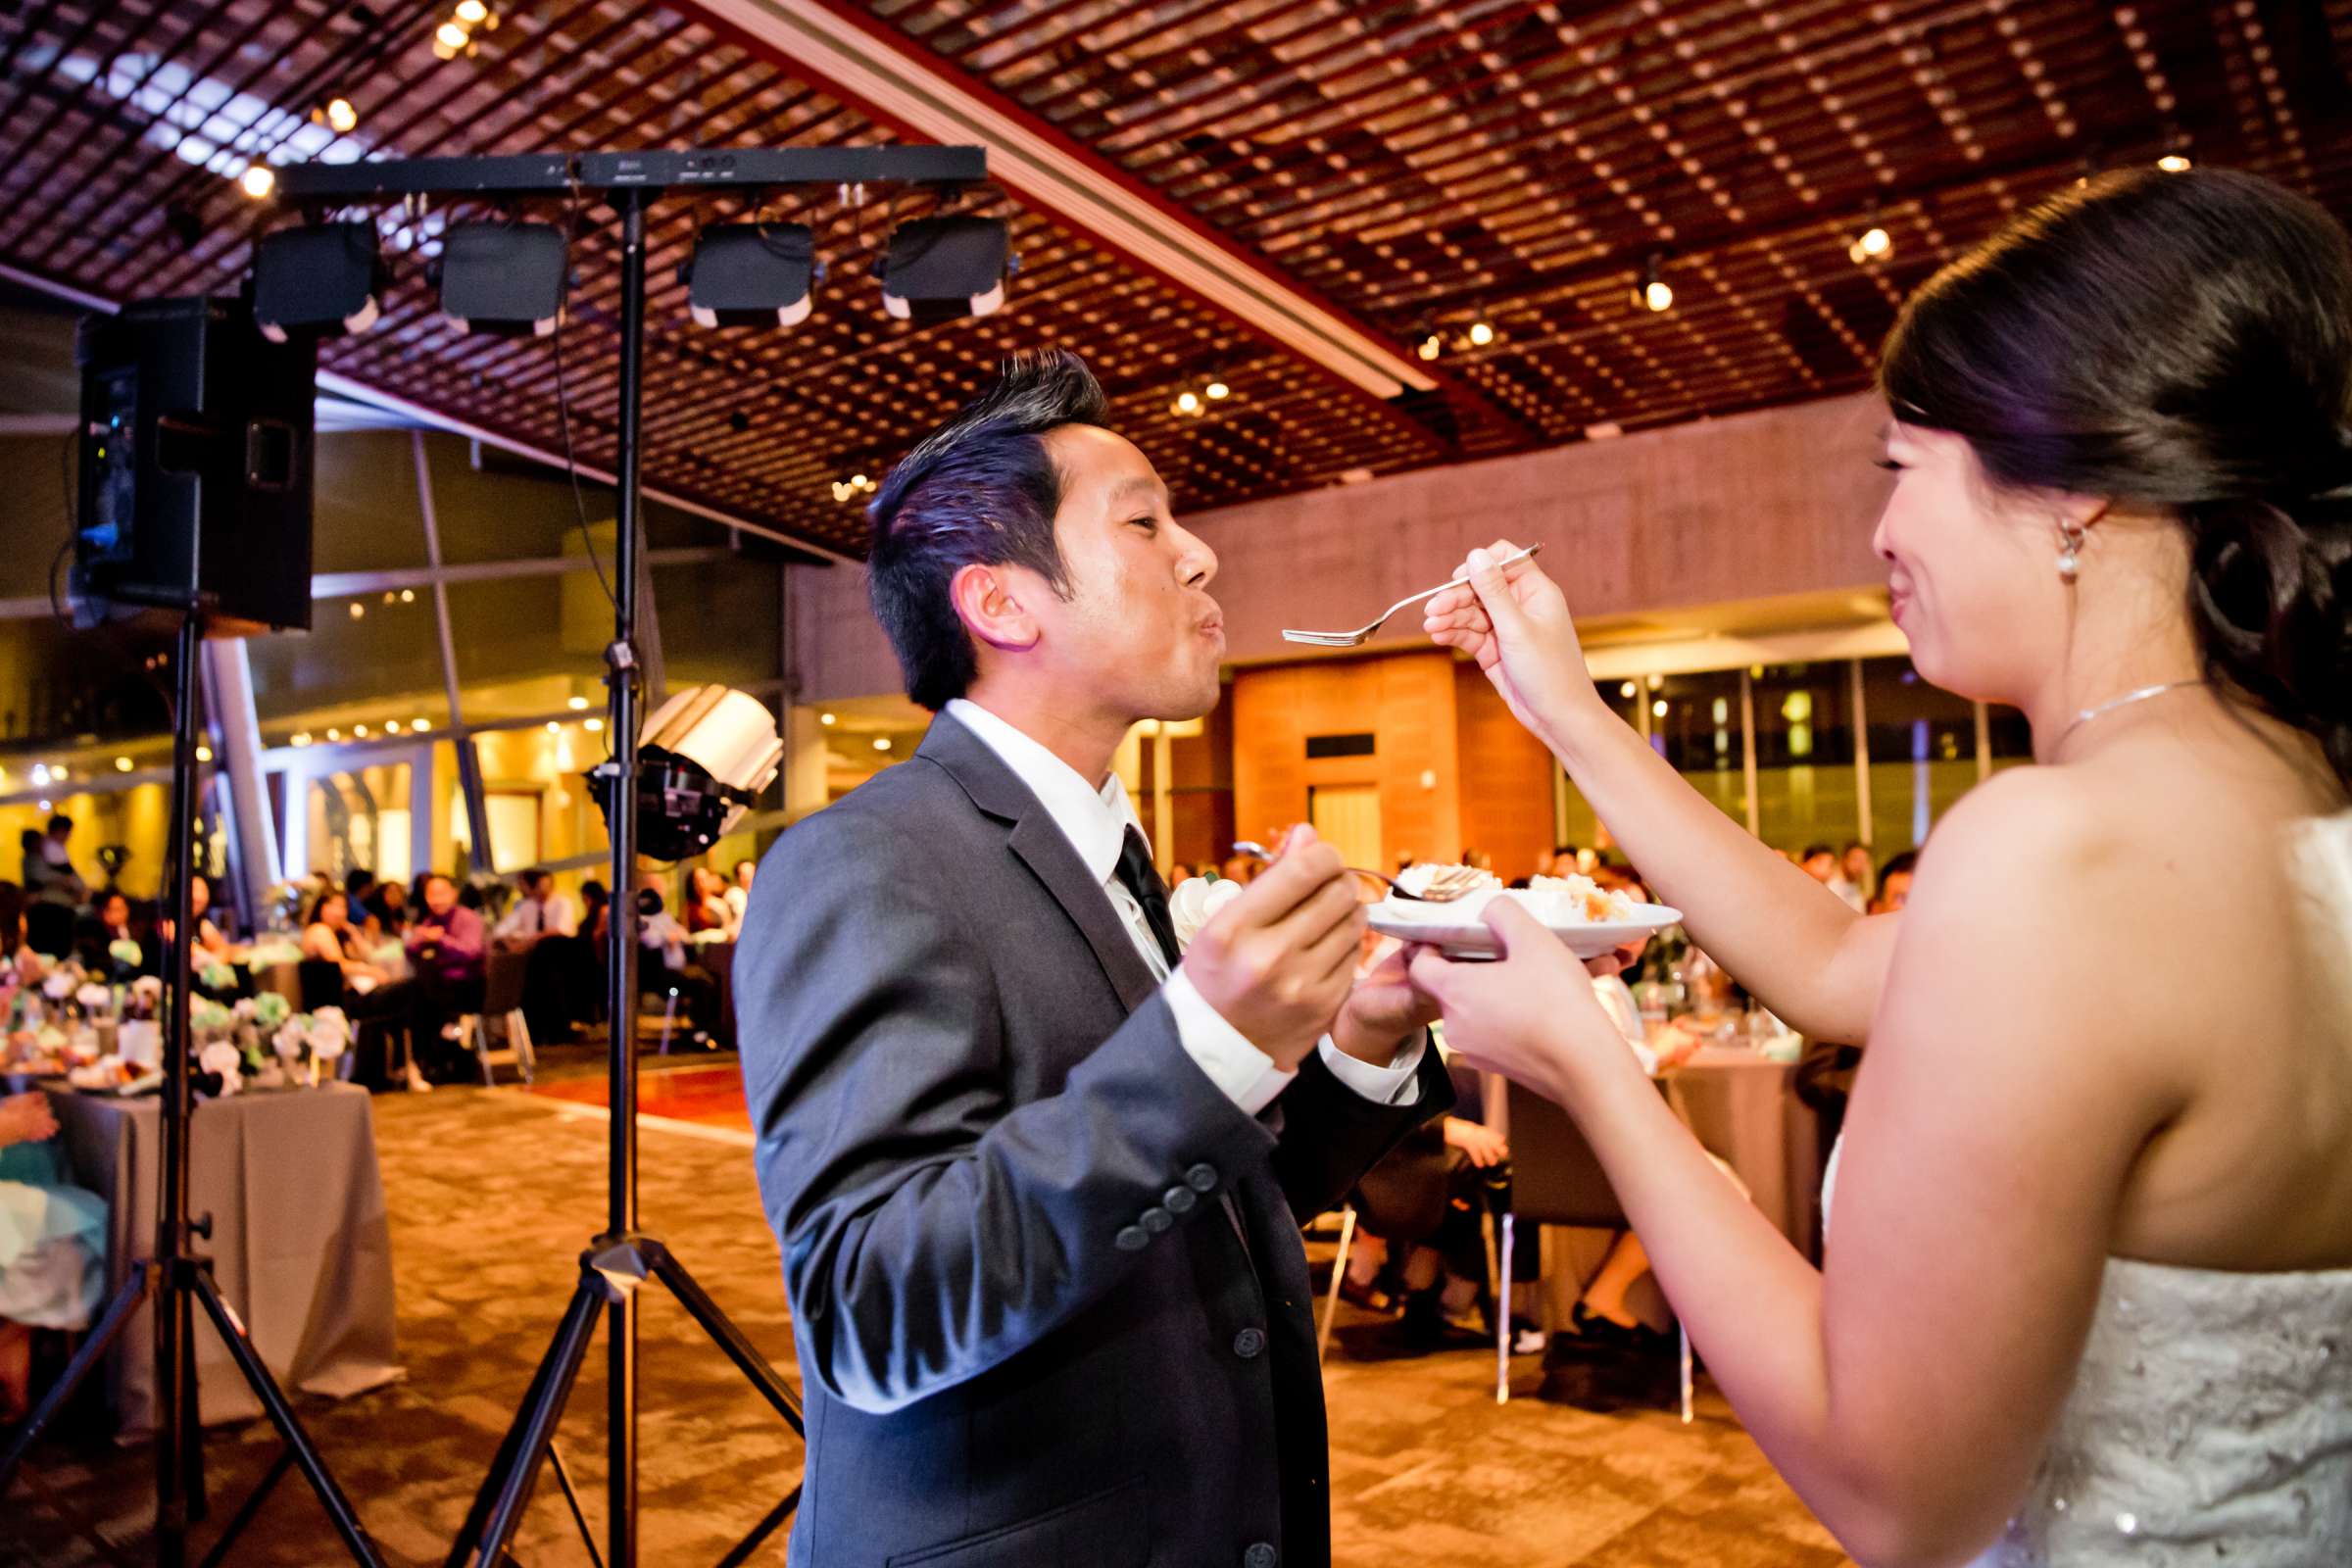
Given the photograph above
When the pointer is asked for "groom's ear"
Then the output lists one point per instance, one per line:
(988, 600)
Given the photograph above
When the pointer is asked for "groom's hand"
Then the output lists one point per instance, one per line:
(1278, 962)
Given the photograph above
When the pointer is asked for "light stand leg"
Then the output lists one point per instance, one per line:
(110, 1323)
(497, 1511)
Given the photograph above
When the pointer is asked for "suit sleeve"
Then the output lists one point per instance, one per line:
(930, 1228)
(1331, 1135)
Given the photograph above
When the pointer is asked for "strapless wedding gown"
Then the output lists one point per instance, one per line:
(2211, 1417)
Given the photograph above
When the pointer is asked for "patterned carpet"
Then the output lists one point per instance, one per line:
(493, 1193)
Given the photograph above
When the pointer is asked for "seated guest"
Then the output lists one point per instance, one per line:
(378, 1004)
(1894, 883)
(1822, 865)
(386, 905)
(212, 947)
(541, 912)
(706, 901)
(739, 892)
(659, 932)
(1423, 1204)
(445, 952)
(52, 1245)
(358, 887)
(1853, 864)
(1179, 873)
(1239, 869)
(595, 901)
(107, 923)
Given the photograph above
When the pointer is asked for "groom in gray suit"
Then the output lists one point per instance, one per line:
(1037, 1184)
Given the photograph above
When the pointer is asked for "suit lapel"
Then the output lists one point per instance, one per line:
(998, 792)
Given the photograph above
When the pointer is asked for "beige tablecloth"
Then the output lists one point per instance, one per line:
(1745, 1109)
(300, 1248)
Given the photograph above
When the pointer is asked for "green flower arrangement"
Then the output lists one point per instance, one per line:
(124, 951)
(217, 976)
(270, 1009)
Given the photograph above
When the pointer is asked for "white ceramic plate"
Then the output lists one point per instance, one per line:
(1458, 930)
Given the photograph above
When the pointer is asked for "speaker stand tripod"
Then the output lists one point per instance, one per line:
(177, 1280)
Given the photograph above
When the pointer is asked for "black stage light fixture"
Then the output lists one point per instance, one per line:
(326, 279)
(939, 269)
(503, 278)
(750, 274)
(706, 755)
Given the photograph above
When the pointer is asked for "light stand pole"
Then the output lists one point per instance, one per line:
(620, 1259)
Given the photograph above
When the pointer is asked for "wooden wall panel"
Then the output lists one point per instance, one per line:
(1506, 778)
(1407, 702)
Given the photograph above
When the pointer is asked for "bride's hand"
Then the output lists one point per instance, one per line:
(1530, 1015)
(1515, 621)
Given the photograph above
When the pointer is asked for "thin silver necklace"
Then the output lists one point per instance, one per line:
(2124, 701)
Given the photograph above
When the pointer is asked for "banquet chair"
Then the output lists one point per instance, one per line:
(1338, 1274)
(1558, 1180)
(503, 977)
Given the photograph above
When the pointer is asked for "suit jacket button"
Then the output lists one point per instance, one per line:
(1179, 1199)
(1203, 1179)
(1248, 1342)
(1259, 1555)
(1155, 1220)
(1132, 1238)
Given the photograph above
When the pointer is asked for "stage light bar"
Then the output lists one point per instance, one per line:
(750, 274)
(321, 277)
(940, 268)
(505, 279)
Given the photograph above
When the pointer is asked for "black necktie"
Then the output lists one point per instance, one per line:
(1141, 878)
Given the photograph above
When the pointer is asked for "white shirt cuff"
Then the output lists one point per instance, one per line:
(1247, 1075)
(1392, 1085)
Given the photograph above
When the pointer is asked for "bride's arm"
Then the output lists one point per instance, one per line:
(1785, 936)
(1907, 1392)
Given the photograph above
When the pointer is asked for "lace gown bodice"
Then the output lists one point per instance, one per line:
(2211, 1415)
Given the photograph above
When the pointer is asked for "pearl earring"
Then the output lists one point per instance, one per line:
(2070, 558)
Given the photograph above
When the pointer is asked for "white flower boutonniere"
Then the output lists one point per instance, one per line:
(1195, 903)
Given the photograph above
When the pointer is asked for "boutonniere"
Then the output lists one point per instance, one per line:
(1195, 903)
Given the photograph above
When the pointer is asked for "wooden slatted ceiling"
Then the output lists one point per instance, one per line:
(1421, 163)
(1426, 163)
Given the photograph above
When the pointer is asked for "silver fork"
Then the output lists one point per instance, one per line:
(1445, 887)
(1357, 639)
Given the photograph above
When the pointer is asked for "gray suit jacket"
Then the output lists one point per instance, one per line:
(1046, 1282)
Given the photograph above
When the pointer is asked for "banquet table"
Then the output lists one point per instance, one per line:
(301, 1247)
(1745, 1109)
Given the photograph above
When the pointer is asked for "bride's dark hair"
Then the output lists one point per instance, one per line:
(2180, 342)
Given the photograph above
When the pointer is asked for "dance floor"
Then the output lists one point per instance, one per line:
(492, 1194)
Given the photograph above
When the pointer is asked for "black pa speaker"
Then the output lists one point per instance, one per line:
(197, 436)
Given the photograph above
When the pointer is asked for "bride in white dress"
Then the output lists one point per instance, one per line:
(2087, 1297)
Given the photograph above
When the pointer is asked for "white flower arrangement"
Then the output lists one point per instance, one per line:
(60, 983)
(225, 1059)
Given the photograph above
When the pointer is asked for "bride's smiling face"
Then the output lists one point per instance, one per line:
(1972, 573)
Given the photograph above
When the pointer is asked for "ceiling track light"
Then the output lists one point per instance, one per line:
(1654, 293)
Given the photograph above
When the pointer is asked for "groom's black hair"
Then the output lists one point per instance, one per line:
(978, 490)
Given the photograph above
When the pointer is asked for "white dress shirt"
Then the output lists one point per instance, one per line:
(1096, 822)
(551, 917)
